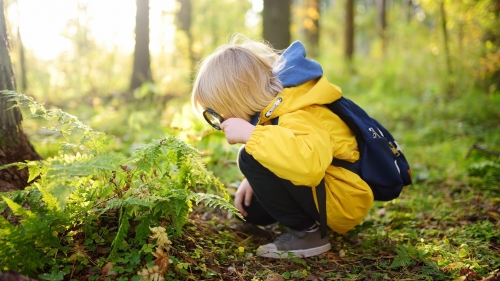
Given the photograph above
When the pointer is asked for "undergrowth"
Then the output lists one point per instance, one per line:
(88, 200)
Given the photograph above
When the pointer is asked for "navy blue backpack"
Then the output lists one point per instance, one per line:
(381, 164)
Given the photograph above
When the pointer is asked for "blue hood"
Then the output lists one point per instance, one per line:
(297, 70)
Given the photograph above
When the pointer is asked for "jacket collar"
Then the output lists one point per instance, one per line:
(296, 71)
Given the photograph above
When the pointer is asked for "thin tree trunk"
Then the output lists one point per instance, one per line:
(445, 37)
(492, 34)
(276, 23)
(349, 32)
(14, 145)
(311, 26)
(184, 17)
(142, 63)
(449, 69)
(382, 24)
(409, 10)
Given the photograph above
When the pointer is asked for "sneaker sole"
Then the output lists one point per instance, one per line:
(297, 253)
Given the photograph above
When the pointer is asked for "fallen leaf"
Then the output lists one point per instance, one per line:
(162, 260)
(106, 269)
(274, 277)
(341, 253)
(214, 267)
(494, 215)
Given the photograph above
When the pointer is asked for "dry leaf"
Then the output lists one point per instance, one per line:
(275, 277)
(341, 253)
(106, 269)
(162, 260)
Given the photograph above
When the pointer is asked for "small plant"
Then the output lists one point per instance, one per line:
(88, 201)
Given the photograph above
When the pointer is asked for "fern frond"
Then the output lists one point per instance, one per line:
(122, 231)
(134, 201)
(403, 258)
(146, 157)
(83, 164)
(17, 209)
(63, 123)
(19, 165)
(215, 201)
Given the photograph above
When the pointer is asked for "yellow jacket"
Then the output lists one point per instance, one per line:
(301, 148)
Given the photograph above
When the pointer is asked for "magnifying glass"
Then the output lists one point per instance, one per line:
(213, 118)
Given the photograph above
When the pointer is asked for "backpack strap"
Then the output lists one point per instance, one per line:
(320, 195)
(342, 163)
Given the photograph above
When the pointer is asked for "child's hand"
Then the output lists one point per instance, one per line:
(237, 130)
(243, 195)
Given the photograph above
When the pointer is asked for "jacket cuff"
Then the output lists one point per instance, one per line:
(253, 142)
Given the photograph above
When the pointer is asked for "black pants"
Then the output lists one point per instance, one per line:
(276, 199)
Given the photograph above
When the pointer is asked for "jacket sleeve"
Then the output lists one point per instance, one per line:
(299, 149)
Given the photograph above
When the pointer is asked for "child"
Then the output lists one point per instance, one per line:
(244, 86)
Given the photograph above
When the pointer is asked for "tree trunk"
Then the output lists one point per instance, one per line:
(382, 24)
(14, 145)
(311, 26)
(450, 85)
(445, 38)
(349, 32)
(408, 10)
(184, 19)
(22, 62)
(276, 23)
(492, 34)
(142, 64)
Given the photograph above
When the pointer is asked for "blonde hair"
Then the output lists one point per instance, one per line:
(237, 79)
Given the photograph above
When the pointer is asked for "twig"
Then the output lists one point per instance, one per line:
(480, 148)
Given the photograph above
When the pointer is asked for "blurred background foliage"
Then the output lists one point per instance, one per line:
(428, 70)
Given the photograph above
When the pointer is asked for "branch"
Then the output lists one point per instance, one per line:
(480, 148)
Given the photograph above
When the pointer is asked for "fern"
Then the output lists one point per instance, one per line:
(215, 201)
(63, 123)
(122, 231)
(23, 245)
(404, 257)
(80, 191)
(83, 164)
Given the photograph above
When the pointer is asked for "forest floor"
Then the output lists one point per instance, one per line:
(438, 231)
(392, 244)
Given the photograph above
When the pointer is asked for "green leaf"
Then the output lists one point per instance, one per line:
(32, 108)
(34, 170)
(19, 165)
(463, 252)
(50, 194)
(17, 209)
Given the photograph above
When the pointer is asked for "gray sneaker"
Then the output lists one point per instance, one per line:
(294, 243)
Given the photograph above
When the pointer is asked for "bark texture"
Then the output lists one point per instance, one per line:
(14, 145)
(276, 23)
(311, 26)
(349, 30)
(142, 62)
